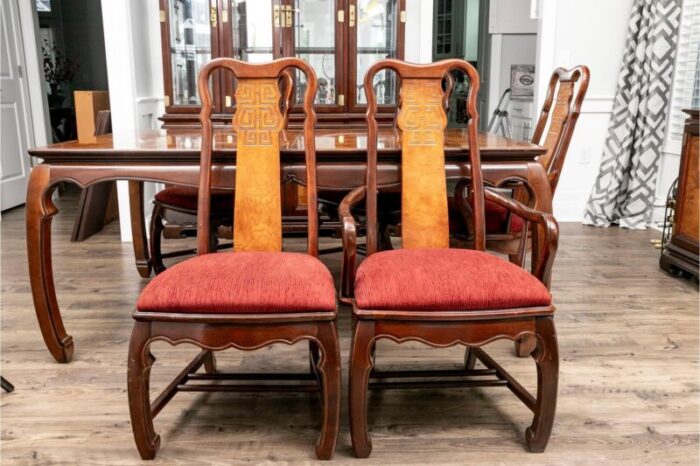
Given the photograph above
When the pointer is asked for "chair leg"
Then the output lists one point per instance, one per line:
(140, 362)
(360, 366)
(547, 359)
(155, 239)
(385, 236)
(469, 358)
(210, 363)
(525, 346)
(329, 371)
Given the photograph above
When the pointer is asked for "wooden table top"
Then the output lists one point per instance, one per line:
(182, 145)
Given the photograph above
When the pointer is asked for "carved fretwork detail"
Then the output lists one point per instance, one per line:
(258, 119)
(422, 117)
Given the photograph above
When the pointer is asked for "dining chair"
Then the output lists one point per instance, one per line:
(507, 233)
(255, 295)
(178, 205)
(430, 293)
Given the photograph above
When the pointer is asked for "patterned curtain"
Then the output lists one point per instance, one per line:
(624, 190)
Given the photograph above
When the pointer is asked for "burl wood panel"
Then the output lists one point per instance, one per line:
(560, 113)
(422, 121)
(258, 122)
(689, 223)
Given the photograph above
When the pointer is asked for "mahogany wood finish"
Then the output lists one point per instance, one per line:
(224, 43)
(172, 157)
(97, 204)
(472, 328)
(186, 218)
(257, 123)
(681, 252)
(560, 111)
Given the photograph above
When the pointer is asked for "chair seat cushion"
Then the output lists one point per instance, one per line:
(185, 198)
(242, 282)
(445, 280)
(496, 219)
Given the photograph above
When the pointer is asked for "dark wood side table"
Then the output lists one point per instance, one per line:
(681, 252)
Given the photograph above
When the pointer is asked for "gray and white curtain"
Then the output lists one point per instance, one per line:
(624, 190)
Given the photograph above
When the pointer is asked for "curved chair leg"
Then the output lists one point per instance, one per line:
(469, 359)
(329, 371)
(360, 366)
(547, 358)
(155, 239)
(525, 346)
(140, 362)
(210, 363)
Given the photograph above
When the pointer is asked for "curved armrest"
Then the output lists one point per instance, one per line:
(349, 233)
(543, 259)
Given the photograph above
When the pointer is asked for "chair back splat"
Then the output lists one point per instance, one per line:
(422, 121)
(257, 123)
(559, 115)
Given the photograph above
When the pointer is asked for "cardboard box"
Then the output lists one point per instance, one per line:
(87, 104)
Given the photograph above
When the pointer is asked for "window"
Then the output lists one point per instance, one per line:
(686, 81)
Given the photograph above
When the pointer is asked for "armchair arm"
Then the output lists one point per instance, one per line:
(542, 258)
(349, 234)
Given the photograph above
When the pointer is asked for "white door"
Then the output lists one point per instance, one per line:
(15, 136)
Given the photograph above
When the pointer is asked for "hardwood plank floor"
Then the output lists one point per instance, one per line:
(628, 391)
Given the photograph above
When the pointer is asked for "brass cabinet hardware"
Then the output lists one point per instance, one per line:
(276, 16)
(341, 16)
(351, 13)
(402, 17)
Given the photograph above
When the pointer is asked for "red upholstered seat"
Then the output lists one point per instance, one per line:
(496, 219)
(242, 282)
(445, 280)
(184, 197)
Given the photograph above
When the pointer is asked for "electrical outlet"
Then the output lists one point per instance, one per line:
(585, 156)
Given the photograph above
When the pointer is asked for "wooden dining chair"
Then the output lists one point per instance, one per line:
(507, 233)
(178, 205)
(429, 293)
(256, 295)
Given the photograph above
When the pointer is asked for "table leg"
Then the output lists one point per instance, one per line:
(39, 210)
(138, 229)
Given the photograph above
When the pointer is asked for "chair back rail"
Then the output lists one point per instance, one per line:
(257, 122)
(560, 112)
(422, 121)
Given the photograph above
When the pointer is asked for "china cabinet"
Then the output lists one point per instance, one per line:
(339, 38)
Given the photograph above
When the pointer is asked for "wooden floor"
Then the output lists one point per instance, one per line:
(628, 391)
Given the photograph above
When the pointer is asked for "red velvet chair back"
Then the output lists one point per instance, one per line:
(422, 121)
(257, 123)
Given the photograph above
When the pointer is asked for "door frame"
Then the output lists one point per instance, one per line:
(30, 51)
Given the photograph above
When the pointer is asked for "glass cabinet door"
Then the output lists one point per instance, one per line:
(314, 41)
(190, 43)
(251, 27)
(376, 34)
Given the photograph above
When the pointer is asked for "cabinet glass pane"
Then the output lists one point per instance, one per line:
(314, 42)
(252, 30)
(376, 40)
(190, 47)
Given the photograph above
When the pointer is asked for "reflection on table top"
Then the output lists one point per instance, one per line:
(184, 144)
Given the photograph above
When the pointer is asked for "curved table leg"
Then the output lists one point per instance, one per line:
(138, 229)
(39, 210)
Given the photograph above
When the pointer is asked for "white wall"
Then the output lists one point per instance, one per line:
(419, 31)
(591, 32)
(133, 54)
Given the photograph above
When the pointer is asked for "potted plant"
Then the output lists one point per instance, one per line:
(58, 71)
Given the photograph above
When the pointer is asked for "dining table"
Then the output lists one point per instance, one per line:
(171, 156)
